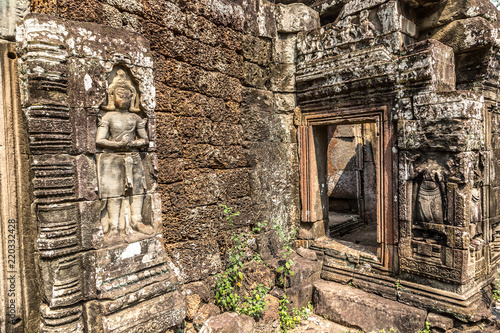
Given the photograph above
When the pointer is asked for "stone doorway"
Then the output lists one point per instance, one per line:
(347, 186)
(352, 174)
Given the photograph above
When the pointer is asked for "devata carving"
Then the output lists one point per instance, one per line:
(95, 275)
(121, 134)
(476, 213)
(429, 203)
(366, 28)
(431, 195)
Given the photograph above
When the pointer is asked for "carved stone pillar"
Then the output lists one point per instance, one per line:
(11, 13)
(88, 95)
(18, 284)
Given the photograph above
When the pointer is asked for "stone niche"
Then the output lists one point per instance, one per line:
(88, 96)
(398, 151)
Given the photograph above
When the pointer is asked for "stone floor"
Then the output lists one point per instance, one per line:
(351, 231)
(318, 324)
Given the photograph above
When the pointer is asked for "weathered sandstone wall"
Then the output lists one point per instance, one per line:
(224, 116)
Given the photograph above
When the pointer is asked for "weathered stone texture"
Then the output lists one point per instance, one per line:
(447, 11)
(205, 53)
(229, 323)
(466, 34)
(11, 13)
(434, 65)
(295, 18)
(229, 76)
(368, 312)
(94, 259)
(439, 322)
(19, 282)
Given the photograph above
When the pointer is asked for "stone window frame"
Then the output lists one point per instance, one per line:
(313, 193)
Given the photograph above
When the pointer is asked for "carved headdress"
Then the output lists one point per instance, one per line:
(122, 81)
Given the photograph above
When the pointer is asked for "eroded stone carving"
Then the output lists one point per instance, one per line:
(447, 137)
(366, 27)
(92, 181)
(476, 213)
(121, 134)
(430, 198)
(348, 33)
(429, 202)
(339, 38)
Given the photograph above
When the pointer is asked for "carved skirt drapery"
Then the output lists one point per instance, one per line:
(429, 203)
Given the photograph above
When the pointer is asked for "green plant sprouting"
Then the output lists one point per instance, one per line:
(259, 227)
(226, 295)
(286, 251)
(254, 306)
(398, 285)
(496, 292)
(288, 320)
(426, 329)
(496, 295)
(229, 282)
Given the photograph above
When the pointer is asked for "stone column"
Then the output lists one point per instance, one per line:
(18, 295)
(11, 12)
(89, 99)
(291, 20)
(18, 287)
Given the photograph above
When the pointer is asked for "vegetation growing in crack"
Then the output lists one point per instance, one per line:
(229, 282)
(426, 329)
(496, 289)
(288, 319)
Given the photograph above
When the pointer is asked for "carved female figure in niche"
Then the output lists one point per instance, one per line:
(348, 33)
(430, 199)
(475, 213)
(121, 134)
(367, 29)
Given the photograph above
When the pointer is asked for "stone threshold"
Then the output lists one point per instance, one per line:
(470, 306)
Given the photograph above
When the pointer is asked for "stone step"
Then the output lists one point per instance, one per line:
(317, 324)
(364, 311)
(340, 224)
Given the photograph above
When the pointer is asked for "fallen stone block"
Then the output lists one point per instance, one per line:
(358, 309)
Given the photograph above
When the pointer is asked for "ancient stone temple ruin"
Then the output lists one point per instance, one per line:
(139, 137)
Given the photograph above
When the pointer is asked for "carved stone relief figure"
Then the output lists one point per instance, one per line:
(366, 28)
(475, 213)
(348, 33)
(330, 38)
(430, 198)
(121, 134)
(429, 202)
